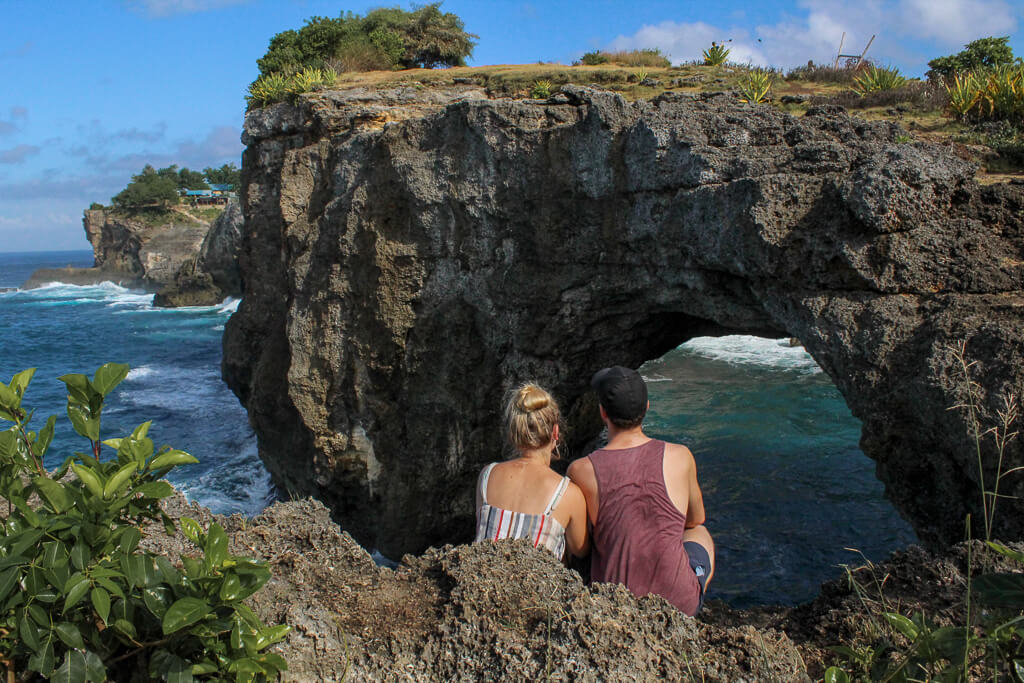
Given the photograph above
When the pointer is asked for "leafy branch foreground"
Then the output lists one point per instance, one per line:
(79, 600)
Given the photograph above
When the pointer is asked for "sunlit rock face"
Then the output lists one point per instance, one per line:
(409, 256)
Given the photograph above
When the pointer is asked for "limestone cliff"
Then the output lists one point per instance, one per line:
(212, 274)
(408, 256)
(151, 251)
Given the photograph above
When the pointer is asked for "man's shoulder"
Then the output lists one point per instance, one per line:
(580, 466)
(677, 451)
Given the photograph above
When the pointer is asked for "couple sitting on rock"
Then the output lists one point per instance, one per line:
(637, 499)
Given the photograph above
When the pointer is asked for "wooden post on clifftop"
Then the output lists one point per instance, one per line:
(859, 58)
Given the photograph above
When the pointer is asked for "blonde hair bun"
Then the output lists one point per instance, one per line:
(532, 398)
(531, 415)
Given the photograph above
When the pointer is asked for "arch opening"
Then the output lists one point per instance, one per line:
(786, 486)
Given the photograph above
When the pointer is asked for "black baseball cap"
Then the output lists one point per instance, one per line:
(621, 391)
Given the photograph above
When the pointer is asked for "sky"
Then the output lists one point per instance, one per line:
(93, 90)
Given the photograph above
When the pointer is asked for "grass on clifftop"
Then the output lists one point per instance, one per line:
(920, 107)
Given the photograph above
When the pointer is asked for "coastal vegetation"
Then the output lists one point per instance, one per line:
(986, 642)
(386, 38)
(80, 600)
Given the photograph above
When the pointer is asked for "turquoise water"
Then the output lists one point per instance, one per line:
(174, 381)
(785, 485)
(786, 488)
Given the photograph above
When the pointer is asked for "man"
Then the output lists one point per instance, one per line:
(643, 502)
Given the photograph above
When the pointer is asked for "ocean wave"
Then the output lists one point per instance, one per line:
(757, 351)
(138, 373)
(236, 484)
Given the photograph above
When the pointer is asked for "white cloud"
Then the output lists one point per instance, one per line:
(957, 22)
(166, 8)
(815, 30)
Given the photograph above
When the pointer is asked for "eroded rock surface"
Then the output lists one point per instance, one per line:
(409, 257)
(213, 273)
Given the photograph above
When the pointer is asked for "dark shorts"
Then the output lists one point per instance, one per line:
(700, 562)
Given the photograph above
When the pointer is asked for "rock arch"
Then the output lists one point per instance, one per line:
(410, 256)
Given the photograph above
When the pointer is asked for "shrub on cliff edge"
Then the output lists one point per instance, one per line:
(78, 600)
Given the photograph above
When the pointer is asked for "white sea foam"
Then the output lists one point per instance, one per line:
(138, 373)
(757, 351)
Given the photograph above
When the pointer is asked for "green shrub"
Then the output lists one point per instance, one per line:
(78, 599)
(424, 37)
(990, 95)
(594, 58)
(541, 90)
(979, 54)
(149, 188)
(96, 206)
(756, 85)
(876, 79)
(716, 55)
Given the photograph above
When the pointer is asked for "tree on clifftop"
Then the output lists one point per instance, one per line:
(387, 38)
(148, 188)
(228, 174)
(982, 53)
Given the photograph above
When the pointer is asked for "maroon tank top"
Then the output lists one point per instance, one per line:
(638, 538)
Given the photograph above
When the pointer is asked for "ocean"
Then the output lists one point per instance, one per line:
(789, 494)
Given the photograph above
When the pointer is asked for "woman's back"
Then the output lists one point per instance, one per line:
(509, 505)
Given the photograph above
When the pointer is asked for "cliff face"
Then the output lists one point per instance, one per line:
(410, 256)
(213, 273)
(152, 253)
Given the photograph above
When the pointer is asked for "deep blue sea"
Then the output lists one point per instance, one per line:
(785, 485)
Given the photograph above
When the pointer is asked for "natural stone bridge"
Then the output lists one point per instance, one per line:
(409, 256)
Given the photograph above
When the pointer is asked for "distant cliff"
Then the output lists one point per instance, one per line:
(187, 261)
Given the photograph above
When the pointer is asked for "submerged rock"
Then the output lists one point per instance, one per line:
(410, 256)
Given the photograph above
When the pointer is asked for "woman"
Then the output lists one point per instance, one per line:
(524, 497)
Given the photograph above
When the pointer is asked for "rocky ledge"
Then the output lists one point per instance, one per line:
(507, 612)
(187, 262)
(410, 255)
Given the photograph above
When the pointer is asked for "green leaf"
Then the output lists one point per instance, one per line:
(134, 568)
(8, 399)
(79, 388)
(230, 589)
(1001, 590)
(28, 632)
(95, 671)
(157, 599)
(75, 589)
(43, 661)
(79, 555)
(128, 539)
(272, 660)
(8, 441)
(88, 478)
(7, 580)
(902, 624)
(1008, 552)
(245, 665)
(177, 670)
(84, 422)
(25, 540)
(126, 627)
(101, 602)
(20, 381)
(46, 436)
(172, 458)
(271, 635)
(184, 612)
(216, 550)
(70, 634)
(53, 492)
(192, 530)
(155, 489)
(108, 376)
(72, 670)
(111, 587)
(119, 480)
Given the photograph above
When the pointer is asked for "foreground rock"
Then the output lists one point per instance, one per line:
(410, 256)
(507, 612)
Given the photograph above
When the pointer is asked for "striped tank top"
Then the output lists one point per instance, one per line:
(543, 530)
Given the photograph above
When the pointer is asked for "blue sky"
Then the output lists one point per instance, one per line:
(92, 91)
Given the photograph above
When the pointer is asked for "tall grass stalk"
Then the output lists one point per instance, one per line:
(1002, 433)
